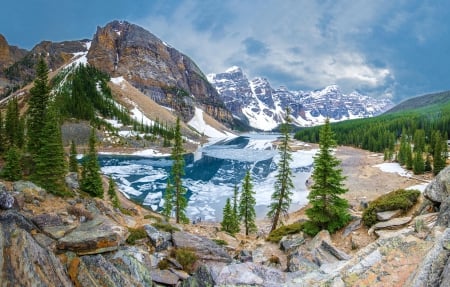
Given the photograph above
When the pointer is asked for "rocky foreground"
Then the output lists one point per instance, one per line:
(80, 241)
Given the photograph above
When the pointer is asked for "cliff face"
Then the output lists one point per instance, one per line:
(158, 70)
(9, 54)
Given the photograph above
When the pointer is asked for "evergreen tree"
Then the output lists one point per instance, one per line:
(409, 157)
(328, 210)
(37, 107)
(418, 164)
(403, 150)
(112, 192)
(247, 205)
(12, 170)
(13, 124)
(2, 134)
(73, 162)
(180, 201)
(91, 181)
(419, 140)
(168, 200)
(428, 163)
(50, 162)
(439, 154)
(281, 198)
(235, 219)
(227, 219)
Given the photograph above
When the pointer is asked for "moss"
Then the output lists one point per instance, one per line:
(276, 235)
(398, 199)
(154, 217)
(163, 264)
(220, 242)
(165, 227)
(136, 234)
(186, 258)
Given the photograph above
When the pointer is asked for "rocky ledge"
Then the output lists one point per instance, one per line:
(51, 241)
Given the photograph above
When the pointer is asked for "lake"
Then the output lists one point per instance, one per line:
(211, 174)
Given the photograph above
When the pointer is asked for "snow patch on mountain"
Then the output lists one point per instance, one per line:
(198, 123)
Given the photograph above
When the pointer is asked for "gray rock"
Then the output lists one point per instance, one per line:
(23, 261)
(47, 219)
(92, 237)
(297, 262)
(21, 185)
(339, 254)
(201, 278)
(180, 273)
(6, 200)
(250, 274)
(289, 242)
(245, 256)
(368, 261)
(205, 248)
(388, 215)
(445, 276)
(439, 188)
(3, 187)
(164, 277)
(432, 266)
(355, 225)
(72, 181)
(134, 262)
(390, 224)
(160, 240)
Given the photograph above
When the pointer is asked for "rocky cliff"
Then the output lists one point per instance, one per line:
(8, 56)
(155, 68)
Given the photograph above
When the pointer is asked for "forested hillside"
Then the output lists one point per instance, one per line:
(426, 128)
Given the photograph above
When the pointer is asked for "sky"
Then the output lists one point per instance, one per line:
(394, 48)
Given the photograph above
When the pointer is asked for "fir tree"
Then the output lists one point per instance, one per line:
(180, 201)
(328, 210)
(91, 181)
(428, 166)
(73, 162)
(37, 107)
(13, 125)
(2, 134)
(50, 162)
(247, 205)
(439, 156)
(112, 193)
(235, 213)
(409, 157)
(227, 220)
(281, 198)
(12, 170)
(418, 163)
(168, 200)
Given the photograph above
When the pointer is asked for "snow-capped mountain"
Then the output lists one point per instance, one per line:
(263, 107)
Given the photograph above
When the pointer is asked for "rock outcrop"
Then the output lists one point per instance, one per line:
(438, 191)
(158, 70)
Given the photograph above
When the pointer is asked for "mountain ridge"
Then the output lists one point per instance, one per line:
(263, 106)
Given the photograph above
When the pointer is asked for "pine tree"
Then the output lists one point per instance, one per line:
(235, 213)
(91, 181)
(328, 210)
(50, 162)
(418, 163)
(112, 193)
(168, 200)
(409, 157)
(281, 198)
(73, 162)
(247, 205)
(438, 155)
(419, 140)
(428, 163)
(227, 219)
(13, 124)
(180, 201)
(37, 107)
(12, 170)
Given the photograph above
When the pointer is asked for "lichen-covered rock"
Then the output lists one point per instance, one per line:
(164, 277)
(388, 215)
(201, 278)
(390, 224)
(23, 261)
(297, 262)
(289, 242)
(72, 181)
(251, 274)
(205, 248)
(6, 200)
(96, 236)
(133, 261)
(160, 240)
(439, 189)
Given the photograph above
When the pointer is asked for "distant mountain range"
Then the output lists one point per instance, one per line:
(262, 106)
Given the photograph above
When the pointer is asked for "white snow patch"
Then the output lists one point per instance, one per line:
(117, 80)
(149, 153)
(421, 187)
(393, 167)
(140, 117)
(198, 123)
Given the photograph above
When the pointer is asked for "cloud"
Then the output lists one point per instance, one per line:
(301, 44)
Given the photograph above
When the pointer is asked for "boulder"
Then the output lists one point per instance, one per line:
(23, 261)
(201, 278)
(251, 274)
(47, 219)
(289, 242)
(388, 215)
(205, 248)
(245, 256)
(21, 185)
(6, 200)
(339, 254)
(164, 277)
(72, 181)
(390, 224)
(134, 262)
(92, 237)
(439, 188)
(297, 262)
(160, 240)
(354, 225)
